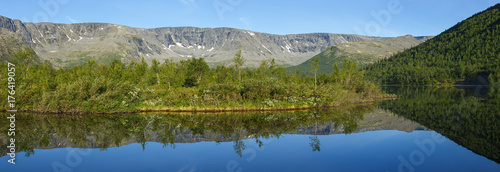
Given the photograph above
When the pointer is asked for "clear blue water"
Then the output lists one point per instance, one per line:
(407, 134)
(368, 151)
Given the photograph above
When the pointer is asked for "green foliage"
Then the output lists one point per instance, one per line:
(466, 50)
(239, 61)
(98, 95)
(189, 84)
(314, 70)
(194, 70)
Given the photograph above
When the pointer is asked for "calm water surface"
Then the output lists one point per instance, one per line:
(425, 129)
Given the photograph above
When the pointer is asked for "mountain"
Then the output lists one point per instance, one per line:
(467, 50)
(13, 51)
(363, 52)
(67, 45)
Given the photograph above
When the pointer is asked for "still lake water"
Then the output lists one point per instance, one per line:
(425, 129)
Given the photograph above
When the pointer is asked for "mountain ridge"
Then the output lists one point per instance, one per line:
(67, 45)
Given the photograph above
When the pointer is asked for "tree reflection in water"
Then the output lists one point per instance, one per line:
(46, 131)
(468, 116)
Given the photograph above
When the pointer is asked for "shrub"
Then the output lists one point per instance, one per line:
(89, 95)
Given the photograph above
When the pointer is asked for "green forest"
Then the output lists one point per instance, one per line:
(464, 51)
(188, 85)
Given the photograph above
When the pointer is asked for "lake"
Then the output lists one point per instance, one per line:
(424, 129)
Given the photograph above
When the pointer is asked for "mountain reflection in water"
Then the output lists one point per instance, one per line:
(48, 131)
(383, 135)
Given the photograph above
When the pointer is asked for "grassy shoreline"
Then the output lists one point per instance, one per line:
(261, 109)
(222, 109)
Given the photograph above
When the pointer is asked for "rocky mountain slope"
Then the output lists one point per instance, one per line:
(68, 45)
(363, 52)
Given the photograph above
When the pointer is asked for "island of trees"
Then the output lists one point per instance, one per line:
(188, 85)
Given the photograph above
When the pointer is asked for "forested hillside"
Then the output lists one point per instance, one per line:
(466, 50)
(362, 52)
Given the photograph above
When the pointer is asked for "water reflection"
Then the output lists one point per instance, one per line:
(48, 131)
(469, 116)
(466, 118)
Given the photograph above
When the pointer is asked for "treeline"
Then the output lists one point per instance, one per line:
(188, 84)
(469, 49)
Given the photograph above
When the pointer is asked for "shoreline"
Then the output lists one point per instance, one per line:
(219, 110)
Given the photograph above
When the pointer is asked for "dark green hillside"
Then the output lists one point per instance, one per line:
(363, 52)
(468, 49)
(326, 60)
(11, 50)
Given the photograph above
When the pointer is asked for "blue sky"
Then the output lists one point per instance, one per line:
(365, 17)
